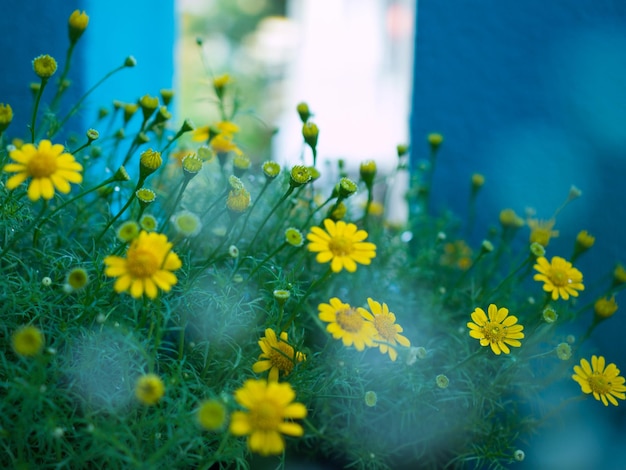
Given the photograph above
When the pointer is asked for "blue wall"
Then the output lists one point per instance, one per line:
(116, 30)
(533, 95)
(29, 29)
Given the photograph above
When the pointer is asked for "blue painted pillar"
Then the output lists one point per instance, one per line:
(532, 94)
(116, 30)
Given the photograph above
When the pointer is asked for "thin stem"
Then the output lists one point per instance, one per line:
(82, 98)
(260, 227)
(175, 205)
(18, 235)
(66, 69)
(69, 201)
(122, 210)
(33, 120)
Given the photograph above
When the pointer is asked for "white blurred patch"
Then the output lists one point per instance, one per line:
(101, 367)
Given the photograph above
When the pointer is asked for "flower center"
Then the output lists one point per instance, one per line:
(281, 357)
(141, 263)
(385, 327)
(265, 417)
(340, 246)
(349, 320)
(494, 332)
(42, 165)
(599, 384)
(559, 278)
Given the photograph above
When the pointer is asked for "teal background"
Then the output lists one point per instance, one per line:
(117, 29)
(532, 94)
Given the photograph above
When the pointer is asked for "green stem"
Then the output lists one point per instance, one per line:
(66, 69)
(33, 120)
(83, 98)
(175, 205)
(260, 227)
(273, 253)
(122, 210)
(69, 201)
(18, 235)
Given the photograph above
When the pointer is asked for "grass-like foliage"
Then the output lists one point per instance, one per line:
(169, 301)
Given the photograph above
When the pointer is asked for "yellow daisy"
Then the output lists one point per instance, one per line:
(149, 389)
(497, 330)
(541, 231)
(27, 341)
(604, 382)
(268, 405)
(342, 244)
(148, 264)
(277, 356)
(48, 166)
(349, 324)
(559, 277)
(388, 331)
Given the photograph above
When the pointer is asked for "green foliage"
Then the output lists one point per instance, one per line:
(73, 404)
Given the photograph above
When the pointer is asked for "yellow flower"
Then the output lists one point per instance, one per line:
(223, 144)
(349, 324)
(370, 398)
(77, 23)
(277, 356)
(241, 163)
(299, 176)
(149, 162)
(435, 140)
(227, 128)
(270, 170)
(456, 254)
(303, 111)
(238, 200)
(268, 405)
(191, 164)
(149, 389)
(388, 331)
(604, 382)
(148, 264)
(145, 196)
(44, 66)
(166, 95)
(201, 134)
(619, 274)
(585, 241)
(541, 231)
(127, 231)
(342, 244)
(148, 223)
(129, 111)
(402, 150)
(211, 415)
(478, 181)
(508, 218)
(310, 132)
(294, 237)
(498, 330)
(6, 116)
(605, 307)
(442, 381)
(221, 81)
(564, 351)
(77, 278)
(559, 277)
(48, 166)
(187, 223)
(27, 341)
(148, 105)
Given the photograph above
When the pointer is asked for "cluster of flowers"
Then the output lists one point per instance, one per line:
(151, 265)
